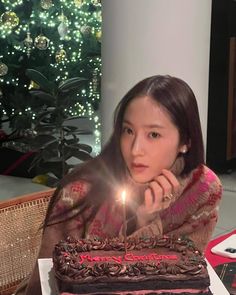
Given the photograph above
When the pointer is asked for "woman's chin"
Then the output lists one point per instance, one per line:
(140, 179)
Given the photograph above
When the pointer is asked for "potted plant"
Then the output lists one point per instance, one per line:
(54, 139)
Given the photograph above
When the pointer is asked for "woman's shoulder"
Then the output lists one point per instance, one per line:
(70, 195)
(77, 187)
(207, 178)
(202, 187)
(75, 190)
(205, 173)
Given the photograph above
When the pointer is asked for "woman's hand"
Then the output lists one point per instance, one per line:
(157, 197)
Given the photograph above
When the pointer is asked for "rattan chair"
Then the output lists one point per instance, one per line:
(20, 235)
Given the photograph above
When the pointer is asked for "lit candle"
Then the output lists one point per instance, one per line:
(123, 197)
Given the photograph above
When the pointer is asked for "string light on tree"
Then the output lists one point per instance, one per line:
(59, 55)
(99, 35)
(96, 2)
(12, 3)
(78, 3)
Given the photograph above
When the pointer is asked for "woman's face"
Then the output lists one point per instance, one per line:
(149, 139)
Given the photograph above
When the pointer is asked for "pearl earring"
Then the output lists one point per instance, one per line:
(184, 151)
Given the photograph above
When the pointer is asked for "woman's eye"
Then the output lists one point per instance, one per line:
(127, 130)
(154, 135)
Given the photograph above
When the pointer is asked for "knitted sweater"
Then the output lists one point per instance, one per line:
(193, 214)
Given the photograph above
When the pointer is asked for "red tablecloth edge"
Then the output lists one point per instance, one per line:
(215, 259)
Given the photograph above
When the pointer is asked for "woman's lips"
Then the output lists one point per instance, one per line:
(138, 168)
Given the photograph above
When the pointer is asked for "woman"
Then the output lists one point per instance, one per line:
(156, 154)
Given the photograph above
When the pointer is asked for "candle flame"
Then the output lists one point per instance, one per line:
(123, 197)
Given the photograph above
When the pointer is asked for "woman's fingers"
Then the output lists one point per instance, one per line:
(164, 184)
(153, 198)
(158, 196)
(161, 192)
(172, 180)
(148, 199)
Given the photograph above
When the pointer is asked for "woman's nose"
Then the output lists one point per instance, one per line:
(137, 146)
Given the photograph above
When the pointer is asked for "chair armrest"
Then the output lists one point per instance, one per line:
(21, 219)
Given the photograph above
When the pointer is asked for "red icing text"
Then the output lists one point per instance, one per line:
(126, 257)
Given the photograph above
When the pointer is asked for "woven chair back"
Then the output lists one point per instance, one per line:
(20, 235)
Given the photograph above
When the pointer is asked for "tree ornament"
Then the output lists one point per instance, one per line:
(60, 55)
(46, 4)
(86, 30)
(62, 18)
(96, 2)
(41, 42)
(99, 16)
(28, 42)
(3, 69)
(95, 81)
(63, 30)
(99, 36)
(78, 3)
(33, 85)
(10, 19)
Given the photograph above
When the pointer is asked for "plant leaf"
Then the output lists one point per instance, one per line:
(82, 146)
(53, 167)
(42, 141)
(40, 79)
(71, 141)
(81, 155)
(71, 83)
(46, 98)
(70, 128)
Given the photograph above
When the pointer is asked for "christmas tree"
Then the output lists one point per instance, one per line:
(60, 39)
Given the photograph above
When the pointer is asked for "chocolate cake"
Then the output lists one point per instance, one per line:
(154, 265)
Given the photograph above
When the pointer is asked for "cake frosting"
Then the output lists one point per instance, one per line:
(166, 265)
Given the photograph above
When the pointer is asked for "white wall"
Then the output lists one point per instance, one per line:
(147, 37)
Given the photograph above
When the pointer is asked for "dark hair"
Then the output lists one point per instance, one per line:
(175, 96)
(108, 169)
